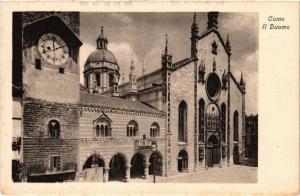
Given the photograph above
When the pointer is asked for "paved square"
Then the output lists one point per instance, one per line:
(233, 174)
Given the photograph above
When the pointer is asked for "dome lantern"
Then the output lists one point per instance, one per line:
(102, 40)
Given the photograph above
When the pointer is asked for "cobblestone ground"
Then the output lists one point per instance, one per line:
(233, 174)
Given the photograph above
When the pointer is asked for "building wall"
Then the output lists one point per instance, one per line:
(37, 144)
(118, 142)
(180, 91)
(236, 100)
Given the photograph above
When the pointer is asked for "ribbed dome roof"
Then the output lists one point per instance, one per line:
(101, 55)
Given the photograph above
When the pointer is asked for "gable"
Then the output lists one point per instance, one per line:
(102, 117)
(215, 32)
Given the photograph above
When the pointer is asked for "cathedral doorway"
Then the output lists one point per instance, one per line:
(213, 151)
(156, 164)
(137, 166)
(182, 160)
(236, 158)
(117, 168)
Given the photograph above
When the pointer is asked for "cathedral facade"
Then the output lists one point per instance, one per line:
(107, 130)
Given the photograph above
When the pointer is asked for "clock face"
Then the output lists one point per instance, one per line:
(53, 49)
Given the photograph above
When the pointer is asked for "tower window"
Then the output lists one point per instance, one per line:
(111, 79)
(54, 129)
(98, 79)
(61, 70)
(38, 64)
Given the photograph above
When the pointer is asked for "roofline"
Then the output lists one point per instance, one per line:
(56, 16)
(158, 112)
(188, 60)
(151, 73)
(237, 84)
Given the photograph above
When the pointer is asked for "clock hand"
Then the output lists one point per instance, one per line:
(56, 48)
(53, 51)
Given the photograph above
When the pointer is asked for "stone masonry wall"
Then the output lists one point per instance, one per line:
(38, 146)
(182, 91)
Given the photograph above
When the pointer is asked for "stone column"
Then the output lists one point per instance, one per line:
(146, 170)
(105, 174)
(127, 173)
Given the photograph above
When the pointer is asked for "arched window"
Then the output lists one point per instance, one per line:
(236, 126)
(98, 79)
(103, 129)
(132, 129)
(201, 120)
(97, 131)
(154, 130)
(223, 121)
(54, 129)
(86, 80)
(182, 122)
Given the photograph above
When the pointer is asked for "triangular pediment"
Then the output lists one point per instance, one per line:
(102, 117)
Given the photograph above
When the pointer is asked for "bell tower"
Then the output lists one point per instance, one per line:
(132, 92)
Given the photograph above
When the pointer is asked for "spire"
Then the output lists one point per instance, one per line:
(212, 20)
(242, 82)
(144, 67)
(123, 78)
(194, 38)
(101, 30)
(166, 47)
(228, 45)
(166, 58)
(132, 61)
(101, 41)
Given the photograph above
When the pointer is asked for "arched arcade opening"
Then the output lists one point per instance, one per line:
(117, 168)
(137, 166)
(156, 164)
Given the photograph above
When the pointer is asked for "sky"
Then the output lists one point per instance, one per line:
(143, 36)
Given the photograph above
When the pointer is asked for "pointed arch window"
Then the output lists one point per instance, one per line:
(201, 120)
(182, 122)
(154, 130)
(236, 126)
(223, 121)
(132, 129)
(54, 129)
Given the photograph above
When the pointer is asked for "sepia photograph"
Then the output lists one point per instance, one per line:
(150, 97)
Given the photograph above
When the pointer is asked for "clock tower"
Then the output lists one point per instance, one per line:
(50, 82)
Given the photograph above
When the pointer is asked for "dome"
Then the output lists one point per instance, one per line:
(101, 55)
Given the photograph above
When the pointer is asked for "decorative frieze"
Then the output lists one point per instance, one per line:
(86, 108)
